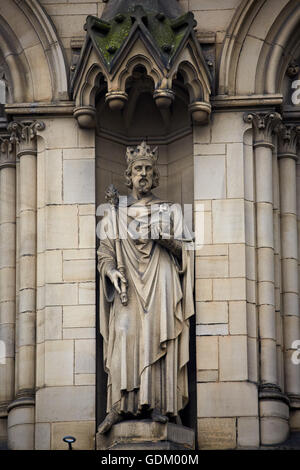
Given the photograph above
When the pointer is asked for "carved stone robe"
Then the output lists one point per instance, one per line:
(146, 343)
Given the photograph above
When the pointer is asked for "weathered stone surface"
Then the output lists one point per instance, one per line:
(42, 436)
(233, 358)
(79, 316)
(228, 221)
(85, 361)
(203, 289)
(83, 431)
(212, 267)
(227, 399)
(57, 404)
(207, 375)
(207, 352)
(21, 428)
(62, 227)
(248, 432)
(217, 433)
(238, 318)
(144, 435)
(211, 312)
(212, 330)
(210, 177)
(76, 171)
(59, 362)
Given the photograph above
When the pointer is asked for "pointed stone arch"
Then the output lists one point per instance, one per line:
(134, 61)
(261, 41)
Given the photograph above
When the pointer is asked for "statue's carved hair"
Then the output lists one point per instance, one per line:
(155, 179)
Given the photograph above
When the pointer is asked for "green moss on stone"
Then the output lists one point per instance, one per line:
(114, 39)
(167, 34)
(161, 31)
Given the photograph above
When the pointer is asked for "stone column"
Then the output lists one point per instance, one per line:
(21, 411)
(277, 261)
(287, 155)
(272, 402)
(7, 279)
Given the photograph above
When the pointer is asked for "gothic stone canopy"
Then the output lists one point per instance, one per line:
(155, 35)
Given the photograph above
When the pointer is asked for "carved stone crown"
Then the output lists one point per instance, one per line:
(141, 152)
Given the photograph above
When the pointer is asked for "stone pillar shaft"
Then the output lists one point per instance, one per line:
(272, 402)
(7, 276)
(21, 411)
(289, 259)
(27, 273)
(265, 263)
(263, 126)
(277, 277)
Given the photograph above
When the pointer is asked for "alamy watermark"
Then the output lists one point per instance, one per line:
(296, 94)
(160, 220)
(296, 354)
(2, 352)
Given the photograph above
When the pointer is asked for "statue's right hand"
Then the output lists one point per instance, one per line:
(116, 277)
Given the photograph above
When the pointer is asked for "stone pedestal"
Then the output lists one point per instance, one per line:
(146, 435)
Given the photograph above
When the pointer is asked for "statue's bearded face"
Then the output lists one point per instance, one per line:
(142, 176)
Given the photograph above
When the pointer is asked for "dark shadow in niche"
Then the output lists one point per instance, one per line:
(101, 376)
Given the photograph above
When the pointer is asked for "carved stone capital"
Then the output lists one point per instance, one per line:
(288, 136)
(7, 152)
(23, 134)
(264, 125)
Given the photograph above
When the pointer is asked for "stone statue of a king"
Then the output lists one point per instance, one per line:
(146, 267)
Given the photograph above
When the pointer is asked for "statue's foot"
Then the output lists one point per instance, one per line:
(112, 418)
(157, 416)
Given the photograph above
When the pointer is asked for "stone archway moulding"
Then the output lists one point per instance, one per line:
(35, 59)
(53, 49)
(255, 52)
